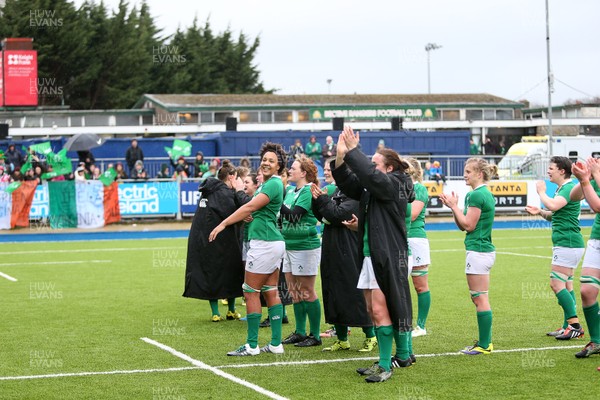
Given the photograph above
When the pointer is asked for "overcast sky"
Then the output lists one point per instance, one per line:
(378, 46)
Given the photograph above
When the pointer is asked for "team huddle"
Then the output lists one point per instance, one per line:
(372, 213)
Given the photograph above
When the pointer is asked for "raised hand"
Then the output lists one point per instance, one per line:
(533, 210)
(350, 138)
(540, 186)
(315, 191)
(581, 171)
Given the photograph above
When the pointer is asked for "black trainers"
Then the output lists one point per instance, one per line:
(266, 323)
(285, 320)
(397, 362)
(570, 333)
(369, 370)
(588, 350)
(309, 341)
(413, 359)
(380, 376)
(293, 338)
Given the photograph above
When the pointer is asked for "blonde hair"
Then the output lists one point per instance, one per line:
(488, 170)
(416, 172)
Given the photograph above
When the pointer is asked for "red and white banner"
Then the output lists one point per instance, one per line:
(20, 78)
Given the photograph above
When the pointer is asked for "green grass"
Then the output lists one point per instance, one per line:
(82, 317)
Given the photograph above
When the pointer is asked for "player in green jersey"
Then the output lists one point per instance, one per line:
(589, 175)
(567, 242)
(302, 253)
(477, 219)
(419, 246)
(266, 251)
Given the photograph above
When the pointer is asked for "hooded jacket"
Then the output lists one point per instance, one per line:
(383, 200)
(214, 270)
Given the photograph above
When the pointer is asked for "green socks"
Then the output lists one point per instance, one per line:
(313, 309)
(231, 304)
(484, 321)
(342, 332)
(565, 323)
(593, 321)
(424, 302)
(402, 344)
(369, 331)
(253, 321)
(567, 303)
(385, 338)
(275, 315)
(300, 315)
(214, 307)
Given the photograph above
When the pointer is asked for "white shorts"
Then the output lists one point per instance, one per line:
(479, 263)
(592, 254)
(420, 251)
(367, 279)
(264, 257)
(302, 262)
(567, 257)
(411, 264)
(245, 248)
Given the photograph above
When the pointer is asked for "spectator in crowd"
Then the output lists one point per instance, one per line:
(212, 171)
(216, 162)
(95, 172)
(200, 165)
(138, 171)
(501, 148)
(14, 158)
(17, 176)
(380, 145)
(436, 173)
(473, 148)
(330, 149)
(4, 176)
(489, 147)
(133, 155)
(426, 173)
(242, 172)
(80, 174)
(121, 174)
(3, 161)
(181, 167)
(245, 162)
(296, 151)
(313, 149)
(164, 172)
(87, 158)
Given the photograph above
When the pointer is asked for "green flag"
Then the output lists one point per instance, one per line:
(61, 164)
(27, 165)
(13, 186)
(180, 148)
(108, 177)
(42, 148)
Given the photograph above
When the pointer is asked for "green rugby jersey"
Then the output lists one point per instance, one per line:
(565, 222)
(264, 223)
(480, 239)
(417, 227)
(301, 234)
(596, 227)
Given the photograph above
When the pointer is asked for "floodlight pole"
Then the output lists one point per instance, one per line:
(550, 80)
(428, 48)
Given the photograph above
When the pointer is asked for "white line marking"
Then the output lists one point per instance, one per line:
(376, 358)
(8, 253)
(523, 255)
(63, 375)
(54, 262)
(142, 371)
(213, 369)
(10, 278)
